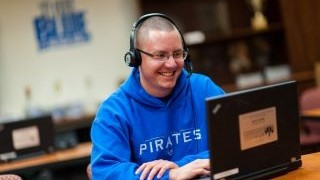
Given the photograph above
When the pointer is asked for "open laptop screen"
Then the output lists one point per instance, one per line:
(26, 137)
(254, 133)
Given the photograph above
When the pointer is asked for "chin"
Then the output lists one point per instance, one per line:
(168, 85)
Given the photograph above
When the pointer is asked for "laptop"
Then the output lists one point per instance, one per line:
(254, 133)
(25, 137)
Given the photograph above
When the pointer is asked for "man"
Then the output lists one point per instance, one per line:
(154, 125)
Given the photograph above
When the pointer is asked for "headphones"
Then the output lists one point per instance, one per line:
(133, 57)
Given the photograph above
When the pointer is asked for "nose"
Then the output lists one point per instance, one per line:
(171, 62)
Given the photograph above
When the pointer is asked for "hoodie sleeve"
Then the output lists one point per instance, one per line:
(109, 137)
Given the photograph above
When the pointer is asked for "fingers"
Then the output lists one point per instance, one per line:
(166, 166)
(205, 172)
(145, 168)
(154, 171)
(157, 168)
(146, 171)
(200, 167)
(141, 168)
(154, 168)
(191, 170)
(202, 163)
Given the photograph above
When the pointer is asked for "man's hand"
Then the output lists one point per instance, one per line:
(157, 167)
(198, 167)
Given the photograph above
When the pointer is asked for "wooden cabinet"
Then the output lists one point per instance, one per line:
(302, 26)
(232, 47)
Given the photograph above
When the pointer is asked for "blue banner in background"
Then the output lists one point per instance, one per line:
(59, 24)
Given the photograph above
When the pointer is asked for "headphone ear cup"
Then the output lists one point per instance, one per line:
(129, 58)
(132, 58)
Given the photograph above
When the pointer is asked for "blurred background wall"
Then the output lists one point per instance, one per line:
(83, 73)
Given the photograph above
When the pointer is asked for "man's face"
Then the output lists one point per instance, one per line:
(158, 78)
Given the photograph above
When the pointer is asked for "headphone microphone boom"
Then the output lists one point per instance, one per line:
(133, 58)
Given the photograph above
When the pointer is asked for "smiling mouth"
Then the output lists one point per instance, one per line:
(167, 74)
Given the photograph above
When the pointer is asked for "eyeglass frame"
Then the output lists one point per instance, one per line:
(167, 55)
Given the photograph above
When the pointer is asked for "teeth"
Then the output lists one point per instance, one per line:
(167, 73)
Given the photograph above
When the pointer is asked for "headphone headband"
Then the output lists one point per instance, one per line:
(137, 24)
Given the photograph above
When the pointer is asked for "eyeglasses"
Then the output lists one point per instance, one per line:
(163, 56)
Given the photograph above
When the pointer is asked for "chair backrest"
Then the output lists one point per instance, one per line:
(310, 99)
(310, 139)
(317, 73)
(10, 177)
(89, 174)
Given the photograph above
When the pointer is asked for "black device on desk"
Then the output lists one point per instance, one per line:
(254, 134)
(26, 137)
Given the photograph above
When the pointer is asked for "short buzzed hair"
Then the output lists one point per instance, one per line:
(153, 23)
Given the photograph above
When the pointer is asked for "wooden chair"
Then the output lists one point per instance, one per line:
(89, 172)
(310, 135)
(310, 99)
(10, 177)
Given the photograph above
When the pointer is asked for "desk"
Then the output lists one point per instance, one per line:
(310, 163)
(310, 169)
(78, 154)
(311, 114)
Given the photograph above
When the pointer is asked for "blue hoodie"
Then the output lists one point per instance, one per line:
(132, 127)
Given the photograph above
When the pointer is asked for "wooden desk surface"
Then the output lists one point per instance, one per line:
(82, 150)
(312, 113)
(310, 163)
(310, 169)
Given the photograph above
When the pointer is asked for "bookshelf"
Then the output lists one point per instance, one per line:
(232, 46)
